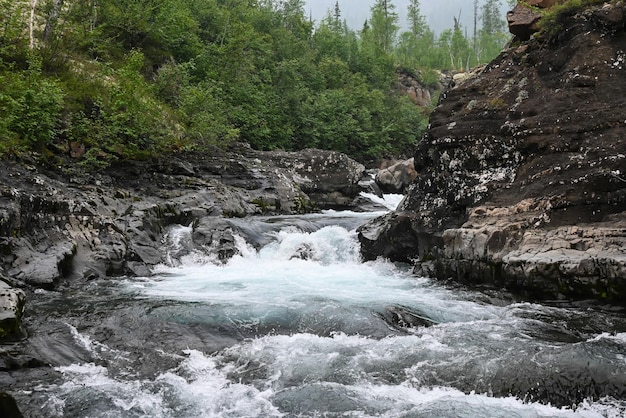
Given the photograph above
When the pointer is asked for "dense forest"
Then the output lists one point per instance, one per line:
(136, 78)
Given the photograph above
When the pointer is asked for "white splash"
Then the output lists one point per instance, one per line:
(390, 201)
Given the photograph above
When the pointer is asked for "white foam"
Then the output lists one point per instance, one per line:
(301, 375)
(619, 337)
(275, 278)
(390, 201)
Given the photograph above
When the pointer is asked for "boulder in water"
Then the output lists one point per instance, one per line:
(401, 317)
(11, 309)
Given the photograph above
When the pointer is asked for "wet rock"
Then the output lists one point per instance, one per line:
(44, 263)
(304, 252)
(11, 309)
(521, 179)
(215, 236)
(402, 317)
(8, 406)
(64, 223)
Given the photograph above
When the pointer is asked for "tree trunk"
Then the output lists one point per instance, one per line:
(31, 24)
(52, 18)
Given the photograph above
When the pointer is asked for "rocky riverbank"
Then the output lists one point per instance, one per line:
(61, 223)
(522, 178)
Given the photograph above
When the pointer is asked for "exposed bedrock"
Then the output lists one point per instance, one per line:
(523, 171)
(64, 222)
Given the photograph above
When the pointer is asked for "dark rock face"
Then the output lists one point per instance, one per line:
(11, 309)
(56, 224)
(8, 406)
(522, 173)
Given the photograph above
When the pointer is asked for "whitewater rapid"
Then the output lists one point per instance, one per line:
(301, 327)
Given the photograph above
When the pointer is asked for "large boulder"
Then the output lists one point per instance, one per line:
(524, 18)
(397, 177)
(330, 179)
(522, 172)
(523, 21)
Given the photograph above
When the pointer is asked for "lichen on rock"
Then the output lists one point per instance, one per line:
(515, 160)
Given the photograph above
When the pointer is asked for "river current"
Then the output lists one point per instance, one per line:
(297, 325)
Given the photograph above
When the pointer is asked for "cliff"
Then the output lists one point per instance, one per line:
(523, 170)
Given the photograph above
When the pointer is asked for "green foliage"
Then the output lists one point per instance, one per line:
(551, 21)
(137, 78)
(30, 108)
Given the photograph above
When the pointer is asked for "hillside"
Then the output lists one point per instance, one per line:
(121, 79)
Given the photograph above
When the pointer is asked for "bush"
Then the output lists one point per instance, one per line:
(31, 108)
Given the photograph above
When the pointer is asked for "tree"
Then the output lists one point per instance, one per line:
(491, 18)
(384, 25)
(492, 34)
(416, 44)
(336, 22)
(417, 23)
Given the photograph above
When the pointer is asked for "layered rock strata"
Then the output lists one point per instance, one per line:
(523, 170)
(62, 222)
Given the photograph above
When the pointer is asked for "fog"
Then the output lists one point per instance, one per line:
(439, 13)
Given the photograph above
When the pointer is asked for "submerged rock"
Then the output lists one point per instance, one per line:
(402, 317)
(523, 171)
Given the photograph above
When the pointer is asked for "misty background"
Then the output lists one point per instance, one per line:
(439, 14)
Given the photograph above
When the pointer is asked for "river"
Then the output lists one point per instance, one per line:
(298, 326)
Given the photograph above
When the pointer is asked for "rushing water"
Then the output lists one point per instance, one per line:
(300, 327)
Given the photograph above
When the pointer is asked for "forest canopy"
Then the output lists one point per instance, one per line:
(138, 78)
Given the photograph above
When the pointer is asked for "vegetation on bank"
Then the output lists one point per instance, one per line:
(137, 78)
(552, 18)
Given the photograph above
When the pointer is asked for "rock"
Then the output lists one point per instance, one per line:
(522, 171)
(64, 223)
(397, 178)
(8, 406)
(330, 179)
(43, 264)
(402, 317)
(421, 94)
(11, 309)
(304, 252)
(215, 237)
(523, 21)
(368, 183)
(77, 149)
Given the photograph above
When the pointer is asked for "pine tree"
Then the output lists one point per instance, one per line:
(417, 23)
(384, 24)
